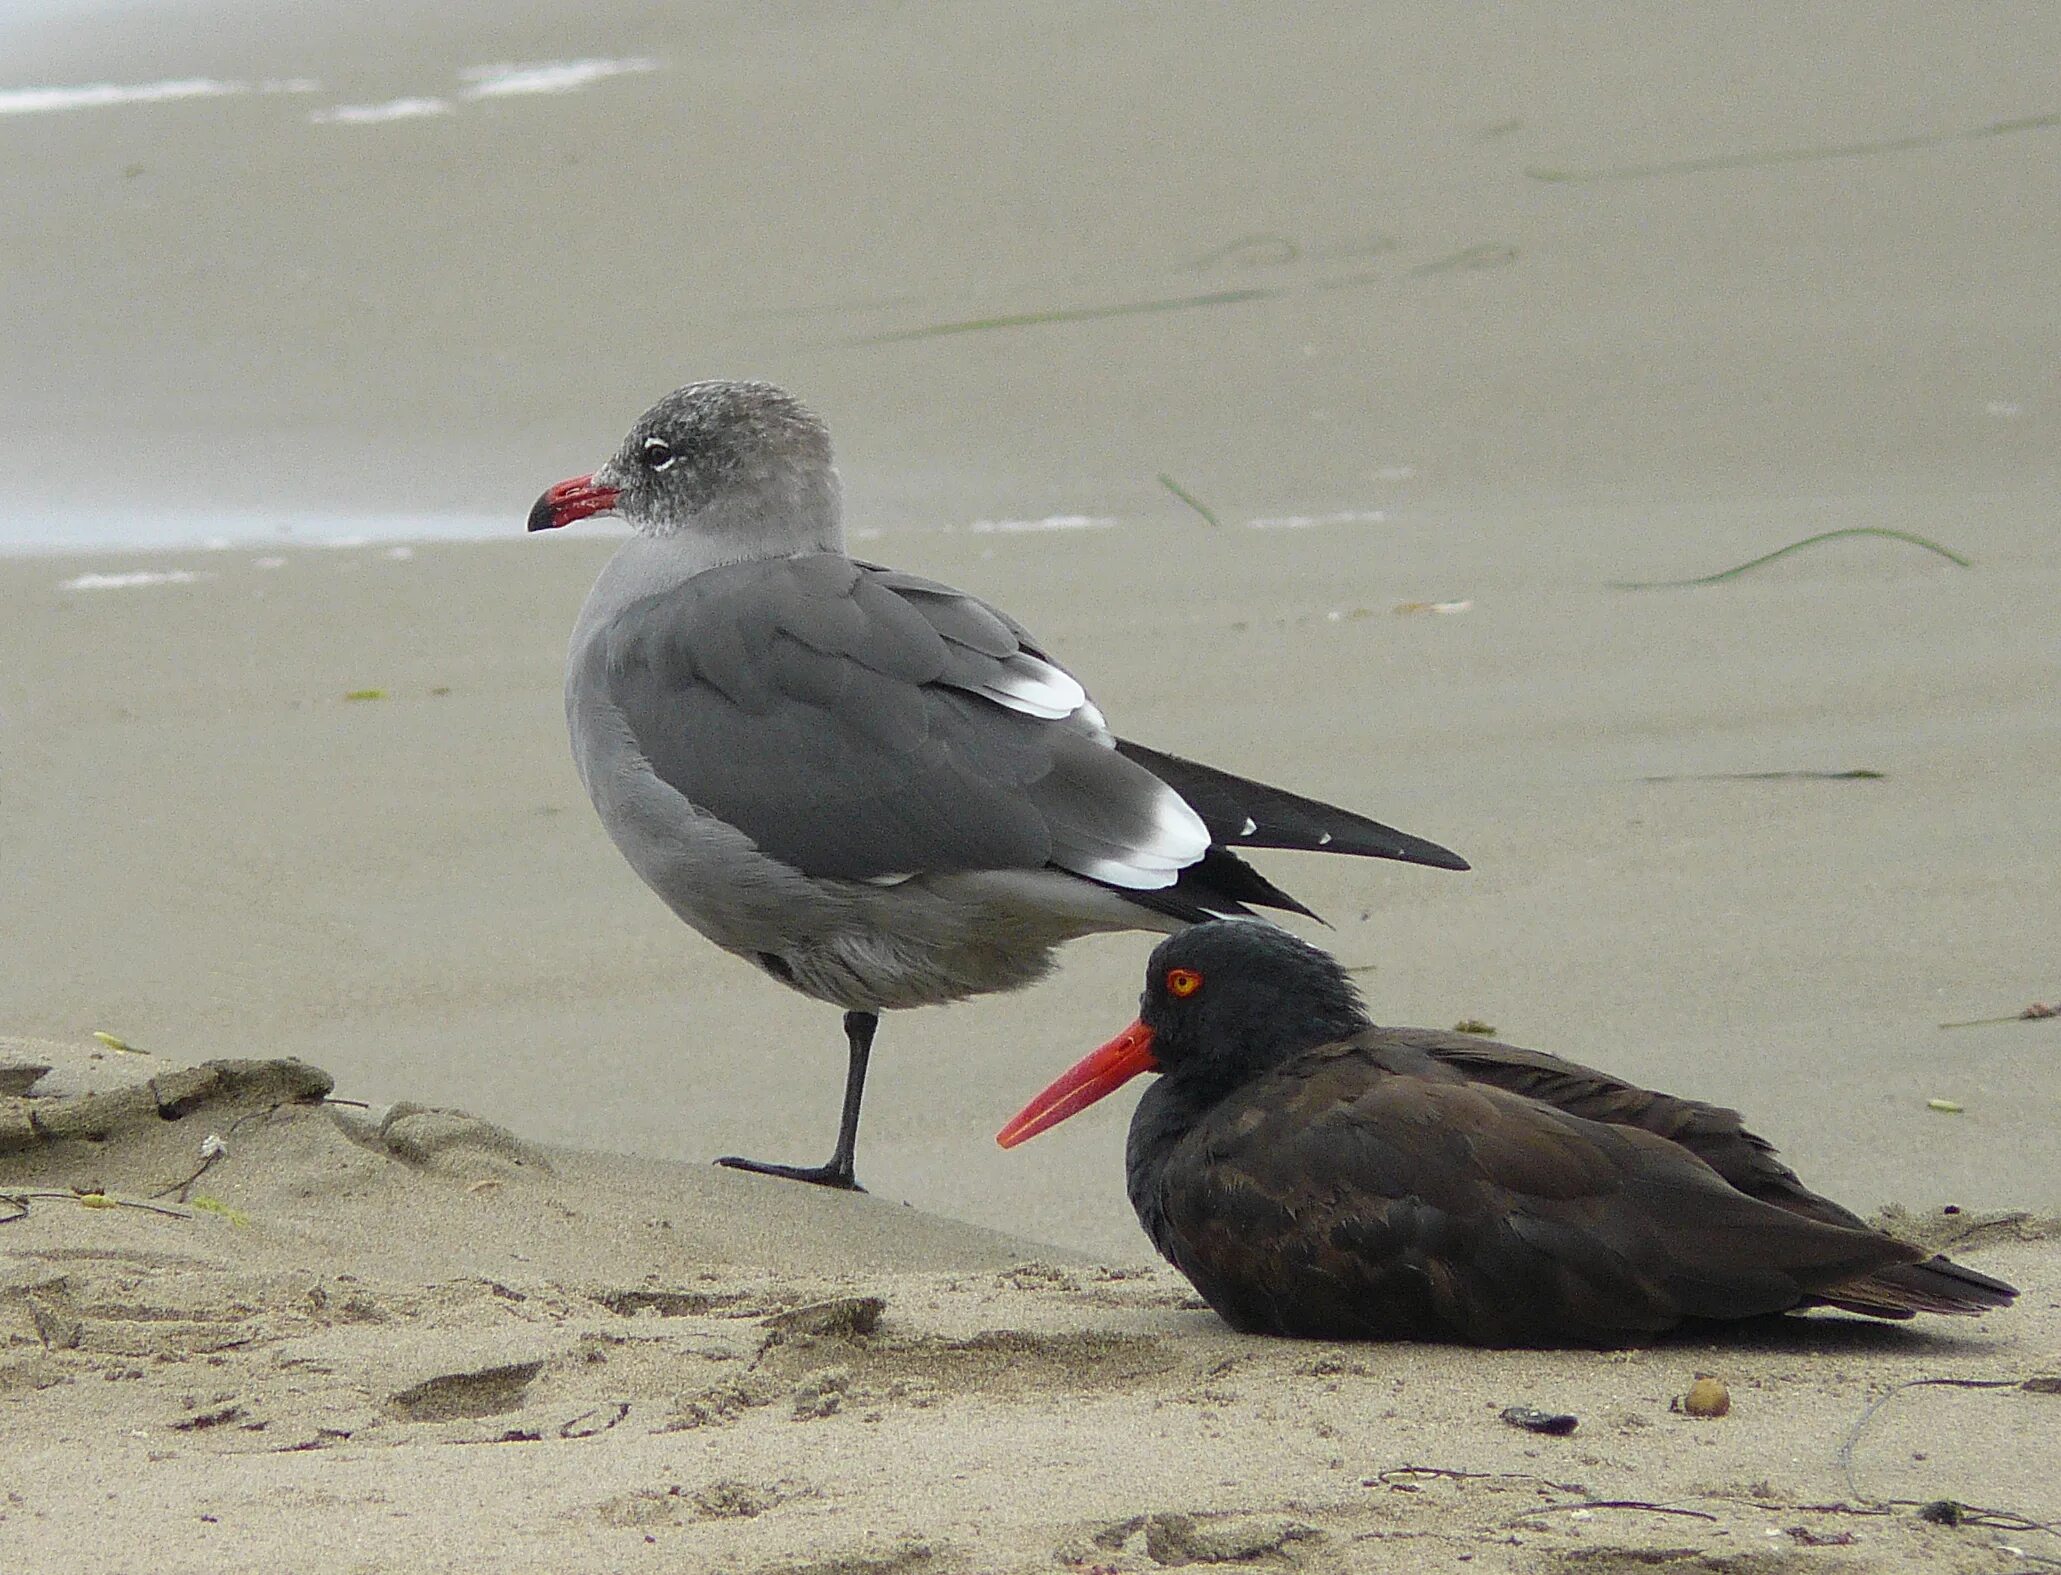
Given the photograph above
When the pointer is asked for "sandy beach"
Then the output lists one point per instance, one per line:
(219, 851)
(1452, 329)
(405, 1339)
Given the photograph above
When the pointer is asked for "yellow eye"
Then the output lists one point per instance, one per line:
(1182, 982)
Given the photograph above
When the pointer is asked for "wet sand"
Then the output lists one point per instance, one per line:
(216, 849)
(1582, 300)
(1367, 213)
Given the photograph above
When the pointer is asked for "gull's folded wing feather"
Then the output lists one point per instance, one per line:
(858, 723)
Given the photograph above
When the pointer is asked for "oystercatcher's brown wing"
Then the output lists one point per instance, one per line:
(1719, 1138)
(1714, 1134)
(1345, 1197)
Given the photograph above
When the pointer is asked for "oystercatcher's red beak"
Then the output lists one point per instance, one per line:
(1080, 1085)
(576, 499)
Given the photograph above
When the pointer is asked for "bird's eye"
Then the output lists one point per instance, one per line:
(657, 454)
(1182, 982)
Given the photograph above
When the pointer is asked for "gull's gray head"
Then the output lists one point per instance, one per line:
(743, 467)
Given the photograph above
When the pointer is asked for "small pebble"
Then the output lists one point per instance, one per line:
(1555, 1424)
(1707, 1397)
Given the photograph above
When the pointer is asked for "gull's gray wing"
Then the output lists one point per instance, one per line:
(859, 723)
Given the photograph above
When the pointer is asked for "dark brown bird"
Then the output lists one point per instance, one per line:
(1317, 1176)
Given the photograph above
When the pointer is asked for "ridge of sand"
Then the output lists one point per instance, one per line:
(403, 1340)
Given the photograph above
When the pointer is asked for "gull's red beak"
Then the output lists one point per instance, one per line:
(1080, 1085)
(576, 499)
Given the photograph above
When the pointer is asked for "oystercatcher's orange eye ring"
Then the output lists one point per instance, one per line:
(1182, 982)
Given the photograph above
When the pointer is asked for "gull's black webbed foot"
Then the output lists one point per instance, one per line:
(831, 1175)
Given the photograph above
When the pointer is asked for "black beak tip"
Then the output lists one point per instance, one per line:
(544, 514)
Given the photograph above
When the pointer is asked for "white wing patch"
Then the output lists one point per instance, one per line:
(1178, 838)
(1036, 688)
(1181, 828)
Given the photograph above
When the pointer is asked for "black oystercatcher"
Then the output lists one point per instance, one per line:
(1315, 1175)
(879, 789)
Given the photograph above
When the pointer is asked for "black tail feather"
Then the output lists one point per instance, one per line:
(1937, 1285)
(1218, 885)
(1246, 814)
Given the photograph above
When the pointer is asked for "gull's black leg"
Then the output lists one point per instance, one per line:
(858, 1033)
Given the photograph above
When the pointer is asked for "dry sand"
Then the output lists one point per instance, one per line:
(1568, 298)
(404, 1340)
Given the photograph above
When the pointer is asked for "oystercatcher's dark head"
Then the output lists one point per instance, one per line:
(1223, 1003)
(736, 460)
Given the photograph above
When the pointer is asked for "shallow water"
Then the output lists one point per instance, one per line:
(401, 262)
(191, 529)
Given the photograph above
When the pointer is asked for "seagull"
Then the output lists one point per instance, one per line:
(883, 791)
(1316, 1176)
